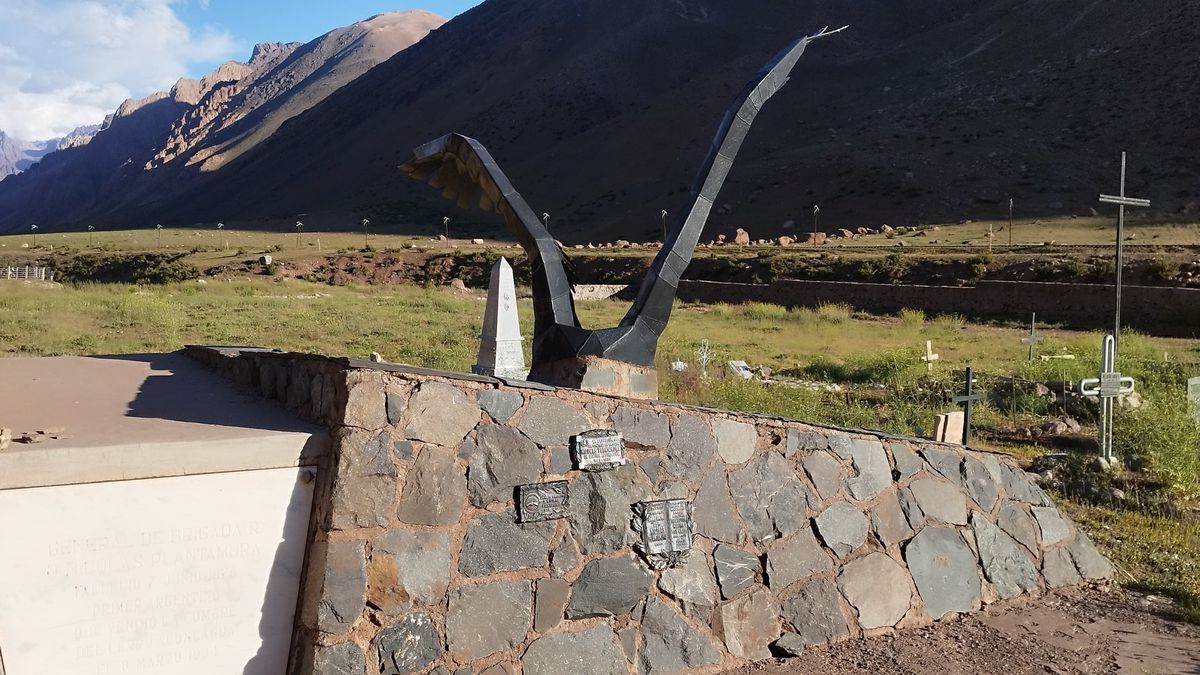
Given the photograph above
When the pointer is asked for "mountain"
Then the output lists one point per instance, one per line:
(600, 111)
(201, 124)
(17, 155)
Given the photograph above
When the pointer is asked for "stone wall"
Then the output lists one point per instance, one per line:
(806, 534)
(1156, 310)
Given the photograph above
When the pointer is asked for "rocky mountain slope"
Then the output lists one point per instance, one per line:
(17, 155)
(600, 110)
(201, 124)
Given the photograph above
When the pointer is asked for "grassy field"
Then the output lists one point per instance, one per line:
(874, 361)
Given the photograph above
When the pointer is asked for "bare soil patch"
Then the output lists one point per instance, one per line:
(1081, 632)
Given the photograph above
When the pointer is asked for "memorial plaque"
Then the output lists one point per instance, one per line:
(190, 575)
(541, 501)
(1110, 385)
(598, 450)
(666, 531)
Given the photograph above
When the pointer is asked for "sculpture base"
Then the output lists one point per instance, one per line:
(506, 373)
(599, 375)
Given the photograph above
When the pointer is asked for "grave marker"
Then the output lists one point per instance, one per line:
(1193, 385)
(1122, 201)
(1107, 387)
(929, 356)
(741, 369)
(1033, 338)
(966, 400)
(666, 531)
(500, 352)
(598, 450)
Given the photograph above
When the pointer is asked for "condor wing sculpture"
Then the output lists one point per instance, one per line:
(620, 359)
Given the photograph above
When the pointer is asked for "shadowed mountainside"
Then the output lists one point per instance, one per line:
(601, 111)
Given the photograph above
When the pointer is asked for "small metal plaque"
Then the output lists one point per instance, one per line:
(598, 450)
(666, 531)
(541, 501)
(1110, 385)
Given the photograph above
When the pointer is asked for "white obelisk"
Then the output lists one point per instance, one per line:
(500, 352)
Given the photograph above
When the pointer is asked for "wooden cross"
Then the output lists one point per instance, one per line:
(1033, 338)
(1122, 201)
(966, 401)
(1107, 388)
(929, 356)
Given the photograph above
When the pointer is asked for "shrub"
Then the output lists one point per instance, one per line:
(912, 317)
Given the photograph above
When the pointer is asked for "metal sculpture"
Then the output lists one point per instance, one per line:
(619, 359)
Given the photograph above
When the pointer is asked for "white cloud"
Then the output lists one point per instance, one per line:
(64, 63)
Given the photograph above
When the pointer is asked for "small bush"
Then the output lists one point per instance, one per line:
(1162, 270)
(912, 317)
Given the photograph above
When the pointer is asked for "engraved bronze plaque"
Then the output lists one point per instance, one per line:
(598, 450)
(666, 530)
(541, 501)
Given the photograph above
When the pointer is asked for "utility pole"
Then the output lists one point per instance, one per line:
(664, 226)
(158, 232)
(816, 216)
(365, 223)
(1010, 210)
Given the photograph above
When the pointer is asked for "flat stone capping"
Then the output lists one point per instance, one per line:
(140, 416)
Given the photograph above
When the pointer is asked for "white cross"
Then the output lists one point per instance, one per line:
(929, 356)
(1107, 387)
(704, 354)
(1122, 201)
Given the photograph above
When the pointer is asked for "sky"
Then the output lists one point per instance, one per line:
(66, 63)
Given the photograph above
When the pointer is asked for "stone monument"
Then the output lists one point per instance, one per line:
(500, 352)
(1193, 387)
(617, 360)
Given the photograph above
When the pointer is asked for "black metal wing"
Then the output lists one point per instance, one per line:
(464, 171)
(652, 307)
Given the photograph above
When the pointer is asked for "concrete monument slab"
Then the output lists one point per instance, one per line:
(500, 352)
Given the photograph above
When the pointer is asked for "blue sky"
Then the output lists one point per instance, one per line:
(66, 63)
(251, 21)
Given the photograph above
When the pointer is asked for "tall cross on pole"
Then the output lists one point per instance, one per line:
(1107, 388)
(816, 216)
(966, 400)
(1122, 201)
(1033, 338)
(1010, 210)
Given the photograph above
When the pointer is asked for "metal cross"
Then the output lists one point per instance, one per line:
(929, 356)
(1122, 201)
(966, 401)
(1033, 338)
(1107, 388)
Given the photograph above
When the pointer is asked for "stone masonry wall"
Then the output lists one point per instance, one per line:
(1168, 311)
(806, 534)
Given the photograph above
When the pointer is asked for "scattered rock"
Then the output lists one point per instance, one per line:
(506, 459)
(748, 624)
(843, 527)
(609, 587)
(408, 645)
(1058, 568)
(691, 448)
(1006, 565)
(5, 438)
(669, 644)
(944, 570)
(434, 490)
(769, 496)
(441, 414)
(592, 651)
(736, 569)
(505, 604)
(815, 611)
(495, 542)
(793, 558)
(458, 285)
(735, 440)
(789, 645)
(878, 589)
(741, 237)
(550, 421)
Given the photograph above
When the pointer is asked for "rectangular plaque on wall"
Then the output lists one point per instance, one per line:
(541, 501)
(666, 531)
(598, 450)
